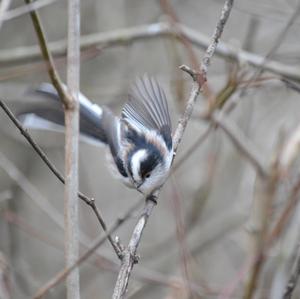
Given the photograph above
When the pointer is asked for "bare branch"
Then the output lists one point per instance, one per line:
(292, 282)
(54, 170)
(53, 74)
(71, 150)
(132, 34)
(129, 255)
(59, 277)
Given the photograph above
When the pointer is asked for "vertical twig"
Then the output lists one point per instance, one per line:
(71, 150)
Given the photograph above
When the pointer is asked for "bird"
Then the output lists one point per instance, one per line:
(139, 141)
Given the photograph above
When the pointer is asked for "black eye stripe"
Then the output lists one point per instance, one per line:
(149, 163)
(153, 157)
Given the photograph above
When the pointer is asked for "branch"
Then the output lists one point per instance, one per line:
(71, 217)
(133, 34)
(215, 38)
(67, 101)
(19, 11)
(129, 257)
(53, 74)
(59, 277)
(89, 201)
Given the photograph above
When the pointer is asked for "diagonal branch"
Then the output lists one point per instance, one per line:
(59, 277)
(129, 257)
(89, 201)
(53, 74)
(244, 145)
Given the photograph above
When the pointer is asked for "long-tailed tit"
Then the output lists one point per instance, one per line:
(140, 141)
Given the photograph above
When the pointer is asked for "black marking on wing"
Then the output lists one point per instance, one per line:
(147, 107)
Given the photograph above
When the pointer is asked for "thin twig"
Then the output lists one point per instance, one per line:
(130, 258)
(129, 255)
(269, 187)
(59, 277)
(89, 201)
(215, 38)
(53, 74)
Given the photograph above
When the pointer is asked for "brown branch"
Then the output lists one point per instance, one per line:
(53, 74)
(89, 201)
(129, 254)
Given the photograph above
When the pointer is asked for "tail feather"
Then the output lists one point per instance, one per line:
(48, 114)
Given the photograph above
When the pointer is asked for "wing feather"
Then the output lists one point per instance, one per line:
(147, 106)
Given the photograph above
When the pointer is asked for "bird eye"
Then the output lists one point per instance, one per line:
(147, 175)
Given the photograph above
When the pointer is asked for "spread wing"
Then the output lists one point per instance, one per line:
(147, 107)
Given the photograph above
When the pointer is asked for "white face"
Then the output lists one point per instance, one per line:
(149, 182)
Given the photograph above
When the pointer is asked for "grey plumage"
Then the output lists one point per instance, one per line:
(147, 105)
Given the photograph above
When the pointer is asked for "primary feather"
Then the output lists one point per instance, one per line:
(147, 105)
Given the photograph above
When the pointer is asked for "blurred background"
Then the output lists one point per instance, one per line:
(203, 237)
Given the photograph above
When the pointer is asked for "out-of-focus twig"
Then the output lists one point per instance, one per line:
(290, 150)
(129, 257)
(19, 11)
(4, 5)
(128, 35)
(193, 60)
(243, 145)
(215, 38)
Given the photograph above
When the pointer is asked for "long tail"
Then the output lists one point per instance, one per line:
(48, 114)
